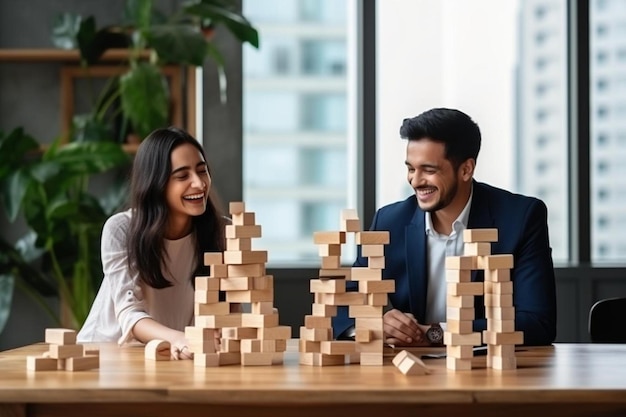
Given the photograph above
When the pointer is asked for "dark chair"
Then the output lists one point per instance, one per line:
(607, 321)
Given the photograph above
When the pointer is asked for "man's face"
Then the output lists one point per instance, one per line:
(430, 174)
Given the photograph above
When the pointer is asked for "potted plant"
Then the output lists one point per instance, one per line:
(61, 251)
(180, 38)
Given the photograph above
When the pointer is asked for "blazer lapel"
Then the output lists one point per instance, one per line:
(416, 264)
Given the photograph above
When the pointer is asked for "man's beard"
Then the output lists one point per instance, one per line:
(444, 200)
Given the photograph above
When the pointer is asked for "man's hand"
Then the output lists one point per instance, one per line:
(403, 329)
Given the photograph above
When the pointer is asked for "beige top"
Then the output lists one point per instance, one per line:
(123, 299)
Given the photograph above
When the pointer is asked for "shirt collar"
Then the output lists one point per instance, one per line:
(458, 225)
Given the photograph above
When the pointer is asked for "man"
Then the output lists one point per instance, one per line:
(441, 153)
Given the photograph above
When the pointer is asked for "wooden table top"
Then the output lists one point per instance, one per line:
(584, 374)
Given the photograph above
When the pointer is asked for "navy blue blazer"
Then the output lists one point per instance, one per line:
(522, 231)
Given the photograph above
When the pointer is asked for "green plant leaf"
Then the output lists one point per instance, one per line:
(7, 282)
(65, 29)
(16, 186)
(145, 98)
(138, 13)
(178, 43)
(86, 158)
(13, 149)
(237, 24)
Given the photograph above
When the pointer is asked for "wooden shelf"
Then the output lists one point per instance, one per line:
(60, 55)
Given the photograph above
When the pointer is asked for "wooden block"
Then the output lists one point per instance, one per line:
(250, 345)
(331, 262)
(457, 364)
(213, 309)
(257, 358)
(370, 251)
(207, 283)
(316, 335)
(247, 270)
(410, 364)
(328, 285)
(65, 351)
(40, 363)
(213, 258)
(460, 326)
(206, 296)
(250, 296)
(383, 286)
(498, 300)
(206, 360)
(365, 311)
(502, 363)
(463, 313)
(199, 333)
(338, 347)
(347, 299)
(217, 322)
(458, 275)
(498, 287)
(460, 301)
(259, 320)
(335, 273)
(495, 262)
(456, 339)
(309, 346)
(320, 359)
(236, 207)
(498, 275)
(274, 333)
(376, 262)
(465, 288)
(373, 324)
(243, 219)
(237, 232)
(218, 271)
(243, 243)
(230, 345)
(157, 350)
(262, 307)
(326, 238)
(372, 238)
(245, 257)
(329, 249)
(480, 235)
(350, 225)
(59, 336)
(82, 363)
(324, 310)
(501, 326)
(461, 262)
(363, 336)
(366, 274)
(477, 248)
(501, 350)
(500, 313)
(349, 214)
(373, 346)
(264, 282)
(91, 350)
(509, 338)
(229, 358)
(201, 346)
(460, 351)
(237, 284)
(371, 359)
(317, 322)
(240, 333)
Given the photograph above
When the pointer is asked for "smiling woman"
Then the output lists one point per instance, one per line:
(152, 251)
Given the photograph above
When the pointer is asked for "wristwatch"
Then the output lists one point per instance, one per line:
(434, 334)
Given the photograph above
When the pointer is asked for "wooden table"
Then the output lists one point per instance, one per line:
(561, 380)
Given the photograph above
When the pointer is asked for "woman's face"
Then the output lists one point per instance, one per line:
(188, 187)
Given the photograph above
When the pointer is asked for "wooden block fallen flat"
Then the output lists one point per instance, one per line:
(157, 350)
(82, 363)
(40, 363)
(410, 364)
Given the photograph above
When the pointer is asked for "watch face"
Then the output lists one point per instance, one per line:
(435, 334)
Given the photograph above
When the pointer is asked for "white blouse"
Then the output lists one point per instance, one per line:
(123, 299)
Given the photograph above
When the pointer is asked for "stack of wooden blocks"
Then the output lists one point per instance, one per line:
(500, 335)
(254, 338)
(317, 346)
(64, 353)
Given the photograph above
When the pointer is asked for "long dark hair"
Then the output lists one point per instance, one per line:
(149, 177)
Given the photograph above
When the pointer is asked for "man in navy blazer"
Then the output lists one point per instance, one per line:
(442, 149)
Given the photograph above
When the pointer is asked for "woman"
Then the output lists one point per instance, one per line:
(152, 252)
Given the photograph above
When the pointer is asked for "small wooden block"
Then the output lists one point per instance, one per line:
(498, 287)
(371, 359)
(65, 351)
(363, 336)
(244, 243)
(459, 326)
(460, 351)
(328, 285)
(249, 296)
(236, 207)
(323, 310)
(501, 350)
(229, 358)
(350, 225)
(460, 301)
(243, 219)
(365, 311)
(83, 363)
(498, 300)
(237, 284)
(262, 307)
(347, 298)
(500, 313)
(366, 274)
(206, 296)
(338, 347)
(207, 283)
(239, 333)
(245, 257)
(498, 275)
(201, 346)
(373, 324)
(230, 345)
(509, 338)
(331, 262)
(456, 339)
(495, 262)
(329, 249)
(501, 326)
(309, 346)
(60, 336)
(376, 262)
(477, 248)
(275, 333)
(457, 364)
(259, 320)
(462, 313)
(213, 258)
(257, 358)
(502, 363)
(218, 271)
(335, 273)
(383, 286)
(217, 322)
(349, 214)
(465, 288)
(458, 275)
(40, 363)
(320, 359)
(370, 251)
(410, 364)
(206, 360)
(157, 350)
(247, 270)
(213, 309)
(325, 238)
(233, 231)
(317, 322)
(315, 335)
(372, 238)
(461, 262)
(480, 235)
(199, 333)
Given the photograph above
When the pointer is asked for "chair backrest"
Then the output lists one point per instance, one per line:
(607, 321)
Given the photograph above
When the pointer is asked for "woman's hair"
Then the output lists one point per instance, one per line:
(149, 178)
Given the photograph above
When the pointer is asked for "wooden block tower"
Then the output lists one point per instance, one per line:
(497, 288)
(64, 353)
(317, 346)
(253, 338)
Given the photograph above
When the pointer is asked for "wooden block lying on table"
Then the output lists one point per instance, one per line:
(40, 363)
(157, 350)
(410, 364)
(82, 363)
